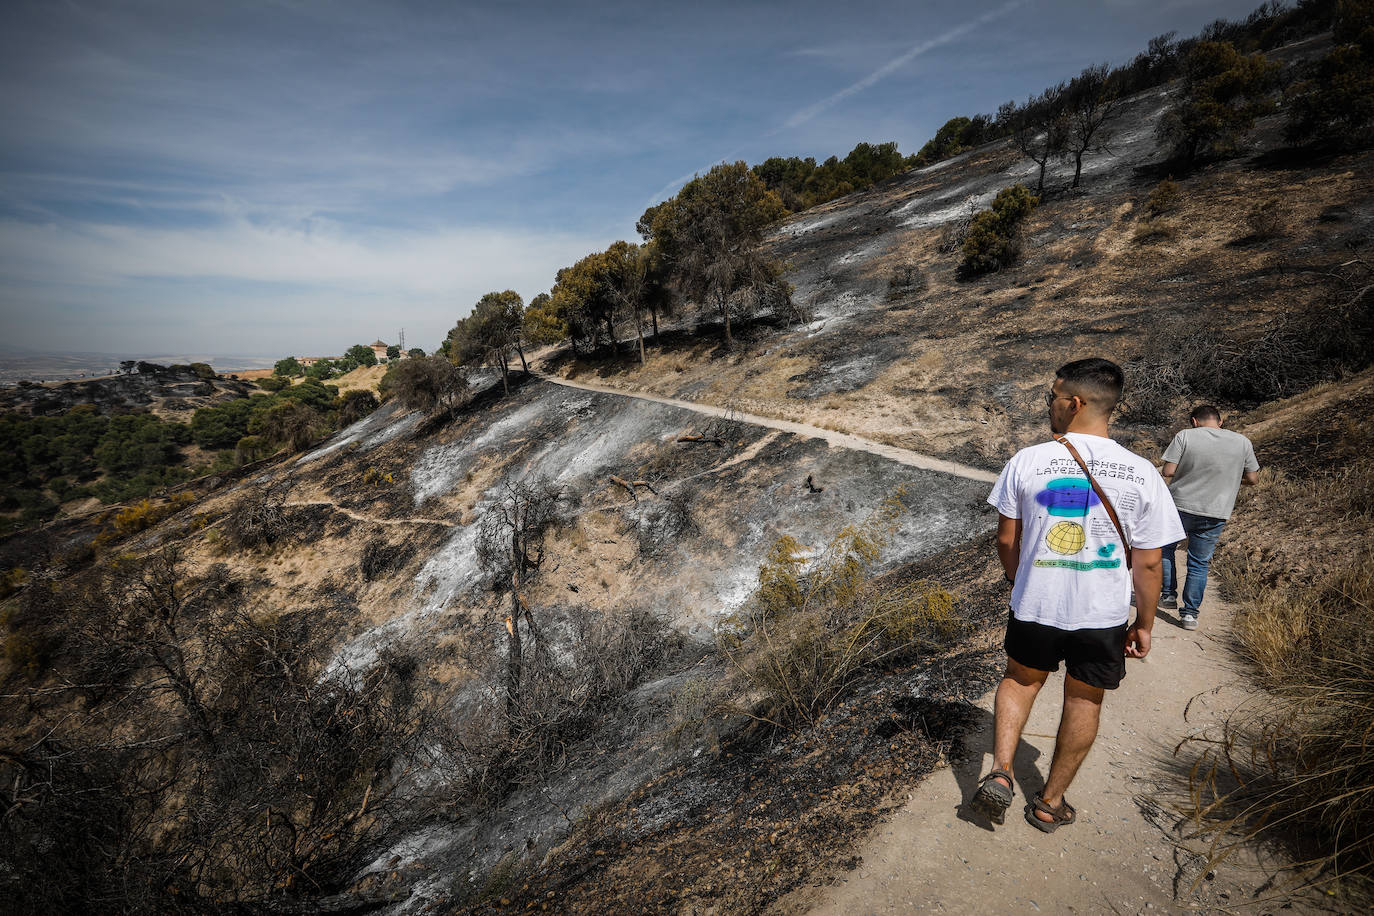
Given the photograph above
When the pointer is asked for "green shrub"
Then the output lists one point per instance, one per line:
(1222, 93)
(145, 514)
(1335, 103)
(991, 242)
(288, 367)
(222, 426)
(250, 449)
(354, 405)
(816, 624)
(273, 383)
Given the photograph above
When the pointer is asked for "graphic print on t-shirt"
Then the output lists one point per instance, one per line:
(1069, 498)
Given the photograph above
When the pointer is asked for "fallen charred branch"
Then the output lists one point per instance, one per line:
(630, 486)
(698, 437)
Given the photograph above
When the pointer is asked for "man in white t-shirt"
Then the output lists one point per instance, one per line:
(1072, 578)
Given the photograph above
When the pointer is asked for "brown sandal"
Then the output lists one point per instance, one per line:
(992, 798)
(1059, 817)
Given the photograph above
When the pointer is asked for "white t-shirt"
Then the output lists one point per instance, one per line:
(1072, 573)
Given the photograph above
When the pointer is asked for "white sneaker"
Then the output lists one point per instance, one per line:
(1188, 623)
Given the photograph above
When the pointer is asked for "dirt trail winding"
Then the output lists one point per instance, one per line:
(1125, 854)
(842, 440)
(373, 519)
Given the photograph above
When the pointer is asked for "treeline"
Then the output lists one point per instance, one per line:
(700, 257)
(1227, 83)
(801, 183)
(325, 369)
(46, 461)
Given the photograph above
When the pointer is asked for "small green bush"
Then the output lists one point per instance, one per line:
(273, 383)
(145, 514)
(818, 623)
(991, 243)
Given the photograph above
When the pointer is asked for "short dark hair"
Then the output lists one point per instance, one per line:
(1094, 379)
(1205, 412)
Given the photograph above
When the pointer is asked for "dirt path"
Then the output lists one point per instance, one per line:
(842, 440)
(373, 519)
(1125, 853)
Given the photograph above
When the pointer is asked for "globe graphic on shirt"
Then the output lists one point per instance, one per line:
(1066, 538)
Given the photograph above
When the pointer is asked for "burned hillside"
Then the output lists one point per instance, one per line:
(521, 655)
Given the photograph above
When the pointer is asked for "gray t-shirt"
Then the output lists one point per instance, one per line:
(1210, 464)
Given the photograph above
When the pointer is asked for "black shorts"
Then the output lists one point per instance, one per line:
(1097, 657)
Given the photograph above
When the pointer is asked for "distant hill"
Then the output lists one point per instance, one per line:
(25, 364)
(170, 391)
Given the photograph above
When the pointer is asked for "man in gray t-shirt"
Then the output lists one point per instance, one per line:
(1205, 467)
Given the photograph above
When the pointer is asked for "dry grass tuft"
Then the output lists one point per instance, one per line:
(1266, 220)
(817, 623)
(1300, 771)
(1154, 230)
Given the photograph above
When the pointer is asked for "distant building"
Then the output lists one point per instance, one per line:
(379, 350)
(308, 361)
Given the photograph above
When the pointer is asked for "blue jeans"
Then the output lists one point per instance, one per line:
(1203, 533)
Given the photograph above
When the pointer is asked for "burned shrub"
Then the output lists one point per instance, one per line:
(954, 233)
(1266, 220)
(906, 278)
(431, 384)
(172, 791)
(261, 520)
(1282, 357)
(380, 558)
(571, 673)
(658, 524)
(1163, 198)
(1150, 231)
(354, 405)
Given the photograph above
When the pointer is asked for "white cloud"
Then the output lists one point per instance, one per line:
(333, 280)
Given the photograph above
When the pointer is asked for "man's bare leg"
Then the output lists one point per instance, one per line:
(1015, 697)
(1077, 731)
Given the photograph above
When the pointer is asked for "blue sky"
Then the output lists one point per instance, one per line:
(276, 177)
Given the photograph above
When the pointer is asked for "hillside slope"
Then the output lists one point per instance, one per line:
(657, 800)
(953, 368)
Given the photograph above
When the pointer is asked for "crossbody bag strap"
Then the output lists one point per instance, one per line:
(1106, 503)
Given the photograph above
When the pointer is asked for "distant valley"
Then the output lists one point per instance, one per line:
(39, 366)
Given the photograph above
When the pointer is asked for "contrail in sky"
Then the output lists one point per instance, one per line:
(806, 114)
(887, 69)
